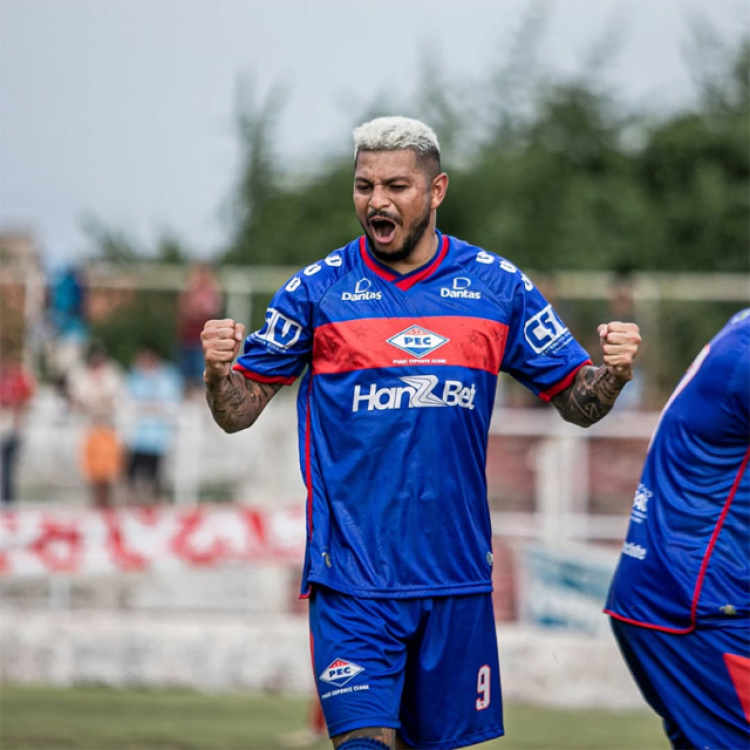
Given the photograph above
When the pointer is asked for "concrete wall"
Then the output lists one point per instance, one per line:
(270, 653)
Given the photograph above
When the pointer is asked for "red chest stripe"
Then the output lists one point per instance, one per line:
(363, 344)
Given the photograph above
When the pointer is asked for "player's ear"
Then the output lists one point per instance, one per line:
(438, 190)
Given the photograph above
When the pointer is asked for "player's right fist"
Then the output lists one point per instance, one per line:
(221, 340)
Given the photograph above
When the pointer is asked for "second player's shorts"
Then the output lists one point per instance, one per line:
(699, 683)
(426, 667)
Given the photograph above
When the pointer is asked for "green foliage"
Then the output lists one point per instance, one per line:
(149, 319)
(554, 174)
(114, 245)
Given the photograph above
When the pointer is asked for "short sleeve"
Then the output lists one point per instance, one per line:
(281, 349)
(541, 353)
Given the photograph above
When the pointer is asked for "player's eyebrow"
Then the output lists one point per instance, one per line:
(388, 181)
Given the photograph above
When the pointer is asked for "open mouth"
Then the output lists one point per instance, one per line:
(383, 229)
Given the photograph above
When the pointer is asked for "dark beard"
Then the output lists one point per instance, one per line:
(416, 232)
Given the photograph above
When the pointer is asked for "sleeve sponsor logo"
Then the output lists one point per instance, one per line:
(279, 331)
(417, 341)
(544, 330)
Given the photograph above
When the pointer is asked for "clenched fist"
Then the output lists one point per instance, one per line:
(620, 343)
(221, 341)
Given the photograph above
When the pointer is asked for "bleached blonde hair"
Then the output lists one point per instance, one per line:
(396, 133)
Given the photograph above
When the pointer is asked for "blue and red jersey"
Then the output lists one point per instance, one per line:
(685, 560)
(400, 374)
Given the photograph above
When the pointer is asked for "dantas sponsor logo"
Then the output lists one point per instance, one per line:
(362, 291)
(417, 341)
(340, 671)
(460, 289)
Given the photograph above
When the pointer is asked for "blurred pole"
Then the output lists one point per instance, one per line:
(561, 484)
(187, 453)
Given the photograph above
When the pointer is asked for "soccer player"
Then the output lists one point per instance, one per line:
(401, 335)
(680, 598)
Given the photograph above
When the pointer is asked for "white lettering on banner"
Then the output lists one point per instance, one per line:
(34, 542)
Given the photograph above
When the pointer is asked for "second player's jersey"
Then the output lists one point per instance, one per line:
(394, 408)
(686, 557)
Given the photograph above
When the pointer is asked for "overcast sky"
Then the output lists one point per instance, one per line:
(125, 108)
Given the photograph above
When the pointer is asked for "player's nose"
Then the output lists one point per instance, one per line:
(379, 198)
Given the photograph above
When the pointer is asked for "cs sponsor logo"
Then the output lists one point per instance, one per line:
(279, 331)
(340, 671)
(419, 391)
(543, 330)
(460, 289)
(417, 341)
(361, 292)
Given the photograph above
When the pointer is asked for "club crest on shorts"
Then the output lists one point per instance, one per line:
(340, 671)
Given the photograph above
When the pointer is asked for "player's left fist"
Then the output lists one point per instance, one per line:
(620, 343)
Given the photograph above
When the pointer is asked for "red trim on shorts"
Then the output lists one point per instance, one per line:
(550, 393)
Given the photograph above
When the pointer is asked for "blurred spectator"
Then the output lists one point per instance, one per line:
(69, 321)
(96, 391)
(17, 387)
(153, 392)
(200, 301)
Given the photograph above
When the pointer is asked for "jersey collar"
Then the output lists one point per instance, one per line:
(408, 280)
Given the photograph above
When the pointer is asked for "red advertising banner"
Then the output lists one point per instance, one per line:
(82, 540)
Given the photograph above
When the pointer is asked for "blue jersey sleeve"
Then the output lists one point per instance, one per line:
(280, 350)
(541, 352)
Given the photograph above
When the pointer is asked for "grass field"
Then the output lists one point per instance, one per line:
(105, 719)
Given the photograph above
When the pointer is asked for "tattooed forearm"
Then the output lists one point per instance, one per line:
(236, 402)
(591, 397)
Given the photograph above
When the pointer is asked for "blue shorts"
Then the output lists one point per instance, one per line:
(699, 683)
(426, 667)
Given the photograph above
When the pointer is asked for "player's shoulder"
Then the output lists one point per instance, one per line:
(732, 342)
(316, 279)
(738, 325)
(498, 273)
